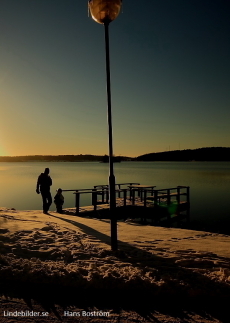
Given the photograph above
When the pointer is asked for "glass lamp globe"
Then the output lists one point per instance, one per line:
(104, 11)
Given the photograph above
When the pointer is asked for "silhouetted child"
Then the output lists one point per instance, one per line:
(59, 200)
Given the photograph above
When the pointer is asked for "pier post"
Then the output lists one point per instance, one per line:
(119, 190)
(178, 213)
(145, 197)
(107, 194)
(103, 195)
(133, 196)
(77, 201)
(125, 196)
(94, 199)
(188, 203)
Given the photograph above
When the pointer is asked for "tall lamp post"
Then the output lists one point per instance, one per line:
(103, 12)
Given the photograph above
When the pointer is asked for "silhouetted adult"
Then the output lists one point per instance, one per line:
(43, 185)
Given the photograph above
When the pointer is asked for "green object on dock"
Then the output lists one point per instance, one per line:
(170, 209)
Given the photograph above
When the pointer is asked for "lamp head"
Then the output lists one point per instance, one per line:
(104, 11)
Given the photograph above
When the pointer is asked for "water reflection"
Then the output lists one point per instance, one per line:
(209, 183)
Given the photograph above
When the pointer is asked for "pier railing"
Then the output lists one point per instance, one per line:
(168, 195)
(169, 202)
(160, 202)
(102, 191)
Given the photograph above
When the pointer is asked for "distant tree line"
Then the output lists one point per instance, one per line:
(200, 154)
(61, 158)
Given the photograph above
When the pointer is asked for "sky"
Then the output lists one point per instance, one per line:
(170, 77)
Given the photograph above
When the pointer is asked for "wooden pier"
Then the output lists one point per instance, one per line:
(137, 201)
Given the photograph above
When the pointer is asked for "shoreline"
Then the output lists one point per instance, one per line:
(194, 225)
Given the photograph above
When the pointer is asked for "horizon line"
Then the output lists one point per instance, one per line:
(52, 155)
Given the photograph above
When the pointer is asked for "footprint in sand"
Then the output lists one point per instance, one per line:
(153, 241)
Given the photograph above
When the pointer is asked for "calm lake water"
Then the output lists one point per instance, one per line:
(209, 184)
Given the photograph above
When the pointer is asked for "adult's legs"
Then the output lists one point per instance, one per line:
(47, 201)
(44, 202)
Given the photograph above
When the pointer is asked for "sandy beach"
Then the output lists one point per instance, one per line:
(60, 267)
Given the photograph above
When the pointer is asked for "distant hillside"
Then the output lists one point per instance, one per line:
(200, 154)
(59, 158)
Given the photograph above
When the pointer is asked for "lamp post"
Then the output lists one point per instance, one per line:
(103, 12)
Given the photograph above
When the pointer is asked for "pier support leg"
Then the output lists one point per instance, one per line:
(77, 201)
